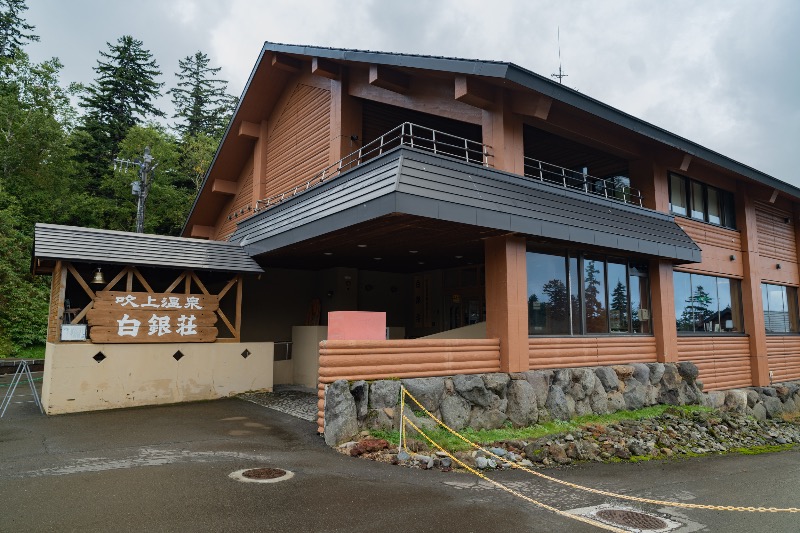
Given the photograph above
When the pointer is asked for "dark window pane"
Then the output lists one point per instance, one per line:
(728, 217)
(677, 195)
(780, 308)
(705, 303)
(684, 312)
(548, 300)
(714, 208)
(594, 296)
(640, 300)
(618, 297)
(697, 201)
(575, 295)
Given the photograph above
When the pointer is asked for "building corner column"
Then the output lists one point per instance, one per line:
(506, 300)
(752, 305)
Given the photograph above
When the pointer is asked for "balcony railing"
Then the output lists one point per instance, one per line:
(445, 144)
(406, 134)
(611, 188)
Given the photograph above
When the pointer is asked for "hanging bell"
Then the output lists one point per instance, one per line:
(98, 278)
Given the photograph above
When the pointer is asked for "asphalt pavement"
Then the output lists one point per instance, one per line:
(167, 469)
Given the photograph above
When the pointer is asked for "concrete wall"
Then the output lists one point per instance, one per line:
(305, 354)
(135, 374)
(473, 331)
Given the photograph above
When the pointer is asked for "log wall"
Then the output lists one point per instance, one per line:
(564, 352)
(783, 354)
(416, 358)
(724, 362)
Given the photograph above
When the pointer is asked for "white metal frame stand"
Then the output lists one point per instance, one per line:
(23, 370)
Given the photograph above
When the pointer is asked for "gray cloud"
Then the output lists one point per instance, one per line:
(721, 73)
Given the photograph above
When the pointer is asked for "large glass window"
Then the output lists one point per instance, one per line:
(780, 308)
(700, 201)
(571, 294)
(707, 304)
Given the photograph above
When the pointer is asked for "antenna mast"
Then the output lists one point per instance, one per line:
(560, 76)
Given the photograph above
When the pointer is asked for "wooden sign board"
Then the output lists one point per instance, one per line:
(135, 317)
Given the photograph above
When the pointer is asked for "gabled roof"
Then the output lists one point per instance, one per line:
(88, 245)
(505, 72)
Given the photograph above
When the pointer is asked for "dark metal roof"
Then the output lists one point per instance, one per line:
(413, 182)
(89, 245)
(526, 78)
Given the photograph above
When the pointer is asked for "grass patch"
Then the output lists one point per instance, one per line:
(486, 436)
(767, 448)
(30, 352)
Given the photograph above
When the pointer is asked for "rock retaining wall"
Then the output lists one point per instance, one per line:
(489, 401)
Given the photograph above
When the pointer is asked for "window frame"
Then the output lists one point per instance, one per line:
(790, 294)
(633, 268)
(725, 201)
(733, 304)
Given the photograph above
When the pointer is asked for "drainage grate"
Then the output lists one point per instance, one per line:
(263, 473)
(623, 517)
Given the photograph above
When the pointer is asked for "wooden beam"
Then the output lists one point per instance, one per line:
(110, 285)
(531, 106)
(251, 130)
(224, 187)
(202, 232)
(80, 280)
(687, 160)
(389, 79)
(58, 286)
(774, 196)
(286, 63)
(238, 317)
(325, 68)
(474, 92)
(141, 279)
(175, 283)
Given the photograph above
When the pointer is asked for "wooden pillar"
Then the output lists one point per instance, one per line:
(58, 288)
(260, 164)
(752, 305)
(345, 121)
(502, 130)
(506, 300)
(662, 293)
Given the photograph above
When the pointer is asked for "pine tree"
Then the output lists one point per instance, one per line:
(120, 98)
(201, 103)
(14, 31)
(619, 307)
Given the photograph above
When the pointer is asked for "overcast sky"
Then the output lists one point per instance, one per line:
(724, 74)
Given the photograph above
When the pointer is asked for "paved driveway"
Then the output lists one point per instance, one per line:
(166, 469)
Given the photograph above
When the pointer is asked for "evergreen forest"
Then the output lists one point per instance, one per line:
(58, 145)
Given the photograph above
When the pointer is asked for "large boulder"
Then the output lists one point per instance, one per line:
(481, 418)
(641, 372)
(521, 409)
(455, 411)
(598, 399)
(616, 402)
(340, 413)
(384, 393)
(608, 378)
(656, 372)
(635, 394)
(586, 378)
(472, 388)
(497, 382)
(688, 371)
(557, 404)
(540, 381)
(428, 391)
(671, 380)
(360, 391)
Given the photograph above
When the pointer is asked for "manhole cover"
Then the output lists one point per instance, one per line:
(261, 475)
(633, 519)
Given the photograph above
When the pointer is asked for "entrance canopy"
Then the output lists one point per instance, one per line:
(87, 245)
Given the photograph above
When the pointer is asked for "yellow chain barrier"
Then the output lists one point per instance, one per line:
(512, 491)
(598, 491)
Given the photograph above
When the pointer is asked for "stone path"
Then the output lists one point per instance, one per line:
(299, 402)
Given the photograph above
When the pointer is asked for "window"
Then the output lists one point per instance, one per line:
(780, 308)
(689, 198)
(572, 294)
(707, 304)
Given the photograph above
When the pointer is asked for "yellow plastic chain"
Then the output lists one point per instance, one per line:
(512, 491)
(598, 491)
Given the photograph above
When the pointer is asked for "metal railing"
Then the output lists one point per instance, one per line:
(406, 134)
(610, 188)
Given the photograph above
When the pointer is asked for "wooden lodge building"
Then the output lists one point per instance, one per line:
(500, 220)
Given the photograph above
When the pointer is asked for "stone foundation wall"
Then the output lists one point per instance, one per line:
(488, 401)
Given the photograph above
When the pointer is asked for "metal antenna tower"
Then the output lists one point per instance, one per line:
(141, 187)
(560, 76)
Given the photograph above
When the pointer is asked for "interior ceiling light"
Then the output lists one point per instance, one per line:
(459, 256)
(421, 262)
(413, 251)
(362, 245)
(327, 253)
(377, 258)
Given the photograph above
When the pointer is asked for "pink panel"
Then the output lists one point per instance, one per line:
(356, 326)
